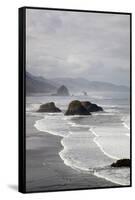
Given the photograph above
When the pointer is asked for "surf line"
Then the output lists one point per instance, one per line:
(71, 162)
(125, 125)
(108, 179)
(101, 148)
(39, 127)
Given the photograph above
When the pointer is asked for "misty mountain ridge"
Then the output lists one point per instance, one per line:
(35, 84)
(74, 84)
(39, 84)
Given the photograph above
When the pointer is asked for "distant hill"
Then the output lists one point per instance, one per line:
(36, 84)
(78, 84)
(39, 84)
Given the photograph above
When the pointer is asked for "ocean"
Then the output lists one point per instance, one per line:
(90, 143)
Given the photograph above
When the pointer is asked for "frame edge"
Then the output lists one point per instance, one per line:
(21, 92)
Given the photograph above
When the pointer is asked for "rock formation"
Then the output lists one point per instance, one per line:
(48, 107)
(76, 108)
(91, 107)
(122, 163)
(62, 91)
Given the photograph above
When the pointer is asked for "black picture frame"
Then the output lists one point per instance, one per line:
(22, 96)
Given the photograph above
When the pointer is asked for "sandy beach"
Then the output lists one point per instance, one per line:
(46, 171)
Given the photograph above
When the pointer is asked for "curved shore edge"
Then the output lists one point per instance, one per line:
(108, 179)
(124, 123)
(46, 171)
(127, 127)
(85, 170)
(101, 148)
(65, 161)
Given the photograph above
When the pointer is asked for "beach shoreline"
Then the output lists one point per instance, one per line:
(46, 171)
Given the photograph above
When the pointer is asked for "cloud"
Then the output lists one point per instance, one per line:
(91, 45)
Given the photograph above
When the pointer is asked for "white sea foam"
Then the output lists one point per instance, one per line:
(125, 125)
(73, 124)
(32, 107)
(106, 178)
(112, 111)
(35, 114)
(113, 141)
(103, 113)
(128, 134)
(70, 162)
(101, 148)
(97, 97)
(55, 129)
(115, 175)
(78, 150)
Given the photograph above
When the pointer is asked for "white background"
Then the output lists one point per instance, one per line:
(9, 98)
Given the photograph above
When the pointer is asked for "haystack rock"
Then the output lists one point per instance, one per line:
(76, 108)
(122, 163)
(48, 107)
(63, 91)
(91, 107)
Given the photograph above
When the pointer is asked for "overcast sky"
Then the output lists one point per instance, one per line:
(72, 44)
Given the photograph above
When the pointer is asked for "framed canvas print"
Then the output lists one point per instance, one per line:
(74, 99)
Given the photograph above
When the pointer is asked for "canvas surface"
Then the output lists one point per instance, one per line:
(77, 100)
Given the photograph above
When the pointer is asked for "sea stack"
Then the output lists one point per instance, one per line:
(91, 107)
(63, 91)
(48, 107)
(76, 108)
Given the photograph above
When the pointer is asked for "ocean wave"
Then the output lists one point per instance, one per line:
(70, 162)
(111, 110)
(73, 124)
(100, 146)
(60, 125)
(32, 107)
(54, 124)
(97, 97)
(41, 128)
(126, 123)
(104, 113)
(35, 114)
(119, 176)
(70, 117)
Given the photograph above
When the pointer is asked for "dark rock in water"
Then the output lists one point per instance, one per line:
(76, 108)
(91, 107)
(82, 108)
(122, 163)
(48, 107)
(62, 91)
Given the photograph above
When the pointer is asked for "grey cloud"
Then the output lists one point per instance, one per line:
(73, 44)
